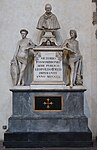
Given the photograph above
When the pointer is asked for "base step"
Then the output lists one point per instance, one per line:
(47, 139)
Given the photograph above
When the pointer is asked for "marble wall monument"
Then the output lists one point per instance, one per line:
(48, 91)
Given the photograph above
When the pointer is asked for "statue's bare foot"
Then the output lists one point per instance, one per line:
(18, 84)
(71, 85)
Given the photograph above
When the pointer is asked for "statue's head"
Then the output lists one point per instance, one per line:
(24, 33)
(73, 33)
(48, 8)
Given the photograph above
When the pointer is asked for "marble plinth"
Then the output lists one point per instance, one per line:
(42, 128)
(47, 139)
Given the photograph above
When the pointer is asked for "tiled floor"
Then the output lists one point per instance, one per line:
(91, 148)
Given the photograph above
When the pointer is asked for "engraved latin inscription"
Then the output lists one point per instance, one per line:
(48, 66)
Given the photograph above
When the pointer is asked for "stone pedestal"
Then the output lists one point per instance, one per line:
(38, 121)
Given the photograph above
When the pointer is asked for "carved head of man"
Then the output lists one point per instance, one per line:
(48, 8)
(73, 34)
(24, 33)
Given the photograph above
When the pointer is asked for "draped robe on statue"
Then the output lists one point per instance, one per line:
(49, 22)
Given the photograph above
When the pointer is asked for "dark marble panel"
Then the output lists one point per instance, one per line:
(38, 140)
(74, 103)
(22, 104)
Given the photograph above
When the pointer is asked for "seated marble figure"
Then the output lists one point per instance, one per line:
(48, 24)
(73, 61)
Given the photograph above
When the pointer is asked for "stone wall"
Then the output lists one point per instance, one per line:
(72, 14)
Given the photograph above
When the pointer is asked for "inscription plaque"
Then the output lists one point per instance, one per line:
(48, 66)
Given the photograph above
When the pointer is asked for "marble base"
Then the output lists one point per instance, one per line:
(67, 124)
(47, 139)
(69, 127)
